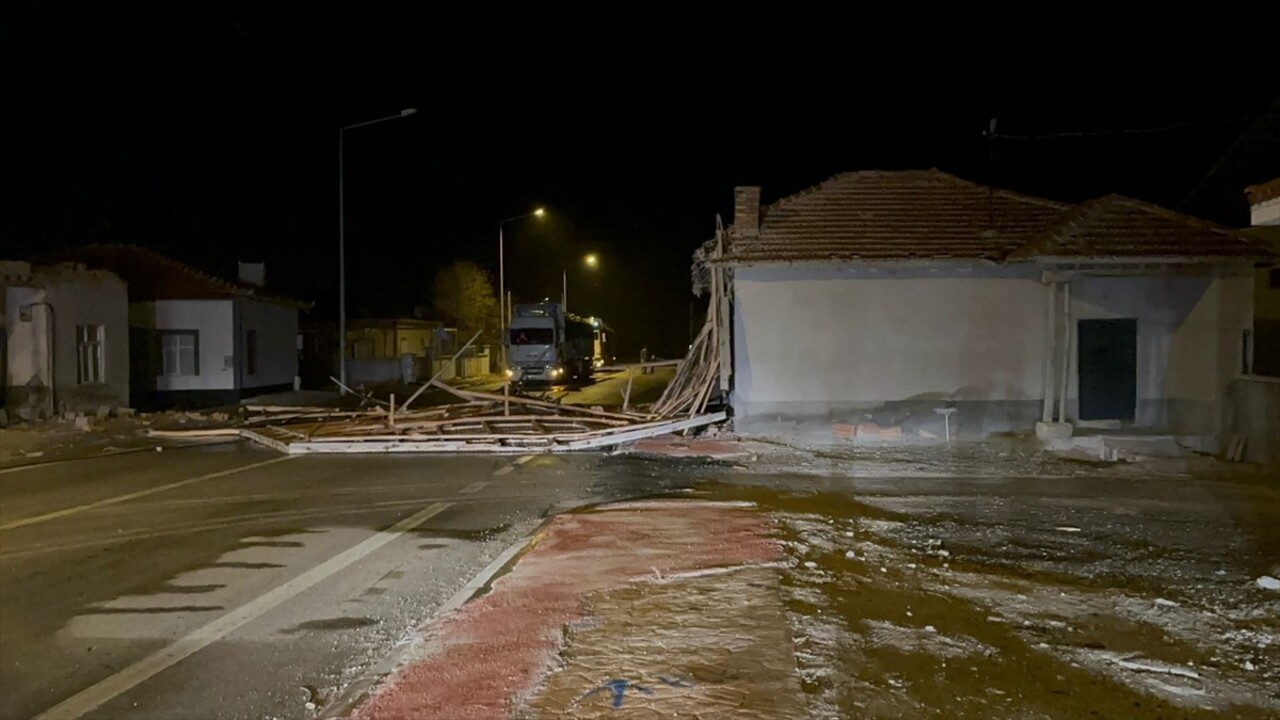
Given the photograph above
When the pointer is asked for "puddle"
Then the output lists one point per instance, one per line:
(189, 589)
(285, 532)
(338, 623)
(152, 610)
(481, 535)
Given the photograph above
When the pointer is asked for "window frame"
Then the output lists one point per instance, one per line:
(164, 335)
(91, 340)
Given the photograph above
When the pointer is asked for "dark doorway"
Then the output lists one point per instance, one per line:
(1108, 369)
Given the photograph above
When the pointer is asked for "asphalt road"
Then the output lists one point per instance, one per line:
(232, 582)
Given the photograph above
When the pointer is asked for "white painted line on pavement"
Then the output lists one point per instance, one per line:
(505, 469)
(51, 463)
(525, 459)
(95, 696)
(135, 495)
(474, 487)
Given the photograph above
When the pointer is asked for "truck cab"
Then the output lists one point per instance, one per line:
(545, 346)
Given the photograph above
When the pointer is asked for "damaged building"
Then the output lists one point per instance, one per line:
(65, 340)
(922, 302)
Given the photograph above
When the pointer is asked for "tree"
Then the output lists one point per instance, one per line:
(463, 294)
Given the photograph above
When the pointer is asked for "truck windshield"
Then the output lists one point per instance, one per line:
(532, 336)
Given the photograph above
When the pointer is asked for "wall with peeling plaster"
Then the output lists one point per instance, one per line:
(889, 344)
(78, 297)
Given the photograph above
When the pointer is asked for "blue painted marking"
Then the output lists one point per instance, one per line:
(619, 690)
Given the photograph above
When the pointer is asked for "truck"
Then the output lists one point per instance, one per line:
(546, 345)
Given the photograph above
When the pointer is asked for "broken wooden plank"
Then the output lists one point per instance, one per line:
(630, 417)
(195, 433)
(439, 372)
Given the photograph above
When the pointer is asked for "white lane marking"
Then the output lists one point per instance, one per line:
(7, 555)
(134, 495)
(52, 463)
(474, 487)
(505, 469)
(95, 696)
(525, 459)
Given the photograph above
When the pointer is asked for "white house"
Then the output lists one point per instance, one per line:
(897, 297)
(65, 339)
(197, 340)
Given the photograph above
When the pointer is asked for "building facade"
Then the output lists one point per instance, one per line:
(65, 340)
(918, 300)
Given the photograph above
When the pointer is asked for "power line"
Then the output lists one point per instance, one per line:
(1121, 131)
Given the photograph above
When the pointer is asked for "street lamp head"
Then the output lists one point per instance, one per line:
(539, 212)
(592, 261)
(408, 111)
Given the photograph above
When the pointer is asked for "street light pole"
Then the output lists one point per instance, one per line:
(342, 241)
(502, 283)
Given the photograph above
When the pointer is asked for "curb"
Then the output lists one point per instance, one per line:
(362, 688)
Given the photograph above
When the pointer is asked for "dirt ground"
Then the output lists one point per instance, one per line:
(979, 581)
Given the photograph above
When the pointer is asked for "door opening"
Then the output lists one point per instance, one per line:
(1108, 367)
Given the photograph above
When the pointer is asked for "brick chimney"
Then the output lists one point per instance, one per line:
(252, 274)
(746, 210)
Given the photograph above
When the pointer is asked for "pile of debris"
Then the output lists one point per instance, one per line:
(478, 422)
(475, 422)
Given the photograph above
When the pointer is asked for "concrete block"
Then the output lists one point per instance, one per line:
(83, 423)
(1053, 430)
(103, 412)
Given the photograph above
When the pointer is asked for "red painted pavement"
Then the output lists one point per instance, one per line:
(496, 649)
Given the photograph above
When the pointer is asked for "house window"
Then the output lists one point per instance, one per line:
(180, 352)
(90, 358)
(251, 352)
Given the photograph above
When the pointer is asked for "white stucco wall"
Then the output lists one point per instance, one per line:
(78, 298)
(214, 320)
(818, 341)
(814, 338)
(277, 329)
(1265, 213)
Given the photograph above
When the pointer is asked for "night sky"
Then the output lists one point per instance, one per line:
(216, 140)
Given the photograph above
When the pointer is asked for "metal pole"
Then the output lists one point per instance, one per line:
(564, 292)
(342, 243)
(502, 303)
(342, 268)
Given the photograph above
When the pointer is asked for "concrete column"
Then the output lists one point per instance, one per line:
(1066, 351)
(1050, 346)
